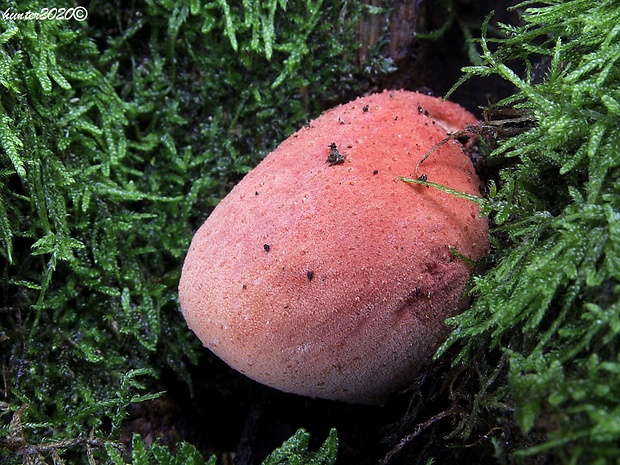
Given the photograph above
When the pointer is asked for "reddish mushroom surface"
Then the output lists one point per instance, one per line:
(324, 274)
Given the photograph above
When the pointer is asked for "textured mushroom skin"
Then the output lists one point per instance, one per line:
(334, 281)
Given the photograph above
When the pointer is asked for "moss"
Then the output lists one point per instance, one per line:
(117, 137)
(549, 304)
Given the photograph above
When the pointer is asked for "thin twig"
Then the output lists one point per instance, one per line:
(504, 127)
(416, 432)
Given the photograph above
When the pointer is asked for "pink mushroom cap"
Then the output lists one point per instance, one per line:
(333, 279)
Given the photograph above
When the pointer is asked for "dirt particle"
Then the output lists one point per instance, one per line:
(335, 157)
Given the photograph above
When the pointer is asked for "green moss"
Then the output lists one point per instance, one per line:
(550, 301)
(295, 451)
(117, 137)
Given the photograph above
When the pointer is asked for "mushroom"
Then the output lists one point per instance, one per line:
(322, 273)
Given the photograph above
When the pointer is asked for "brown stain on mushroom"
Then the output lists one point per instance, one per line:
(350, 301)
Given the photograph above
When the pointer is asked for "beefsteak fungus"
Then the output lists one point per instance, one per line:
(322, 273)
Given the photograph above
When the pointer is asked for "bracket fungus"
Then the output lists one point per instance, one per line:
(332, 278)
